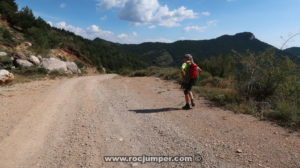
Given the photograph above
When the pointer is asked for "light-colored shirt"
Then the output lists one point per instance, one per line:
(184, 66)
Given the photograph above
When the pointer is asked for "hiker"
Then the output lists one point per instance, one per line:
(189, 73)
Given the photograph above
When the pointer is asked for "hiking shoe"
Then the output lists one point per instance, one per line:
(193, 104)
(186, 107)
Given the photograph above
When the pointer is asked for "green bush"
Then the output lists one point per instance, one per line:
(55, 74)
(31, 71)
(216, 82)
(139, 73)
(7, 35)
(79, 64)
(204, 76)
(259, 75)
(6, 61)
(288, 113)
(219, 66)
(8, 9)
(164, 73)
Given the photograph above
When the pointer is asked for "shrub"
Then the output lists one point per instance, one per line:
(204, 75)
(31, 71)
(259, 76)
(5, 62)
(139, 73)
(79, 64)
(219, 66)
(164, 73)
(7, 35)
(288, 113)
(55, 74)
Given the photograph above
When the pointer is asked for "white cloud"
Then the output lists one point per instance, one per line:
(108, 4)
(122, 36)
(91, 32)
(212, 23)
(205, 13)
(151, 27)
(195, 28)
(64, 25)
(103, 18)
(134, 34)
(200, 29)
(50, 23)
(163, 40)
(62, 5)
(142, 12)
(95, 31)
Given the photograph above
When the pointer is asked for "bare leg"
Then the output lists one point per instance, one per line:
(191, 96)
(186, 98)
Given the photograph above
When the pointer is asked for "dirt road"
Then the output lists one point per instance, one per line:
(72, 123)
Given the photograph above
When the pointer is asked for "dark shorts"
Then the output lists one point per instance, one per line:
(187, 87)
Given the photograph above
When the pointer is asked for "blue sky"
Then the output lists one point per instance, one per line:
(136, 21)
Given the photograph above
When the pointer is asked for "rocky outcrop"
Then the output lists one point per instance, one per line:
(54, 64)
(24, 63)
(27, 44)
(40, 58)
(103, 70)
(20, 56)
(3, 54)
(35, 60)
(73, 68)
(6, 76)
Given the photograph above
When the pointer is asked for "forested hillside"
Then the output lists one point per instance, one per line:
(171, 53)
(293, 50)
(44, 37)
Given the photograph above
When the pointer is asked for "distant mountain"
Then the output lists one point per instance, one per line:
(293, 50)
(167, 54)
(295, 53)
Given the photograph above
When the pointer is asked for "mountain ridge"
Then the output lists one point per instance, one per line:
(293, 50)
(172, 53)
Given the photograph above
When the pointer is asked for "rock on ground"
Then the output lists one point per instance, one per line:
(34, 60)
(5, 76)
(24, 63)
(54, 64)
(20, 56)
(3, 54)
(72, 67)
(27, 44)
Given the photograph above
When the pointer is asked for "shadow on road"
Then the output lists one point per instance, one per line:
(155, 110)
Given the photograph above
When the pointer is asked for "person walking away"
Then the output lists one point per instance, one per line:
(189, 72)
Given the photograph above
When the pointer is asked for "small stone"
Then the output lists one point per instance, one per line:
(134, 164)
(24, 63)
(239, 151)
(3, 54)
